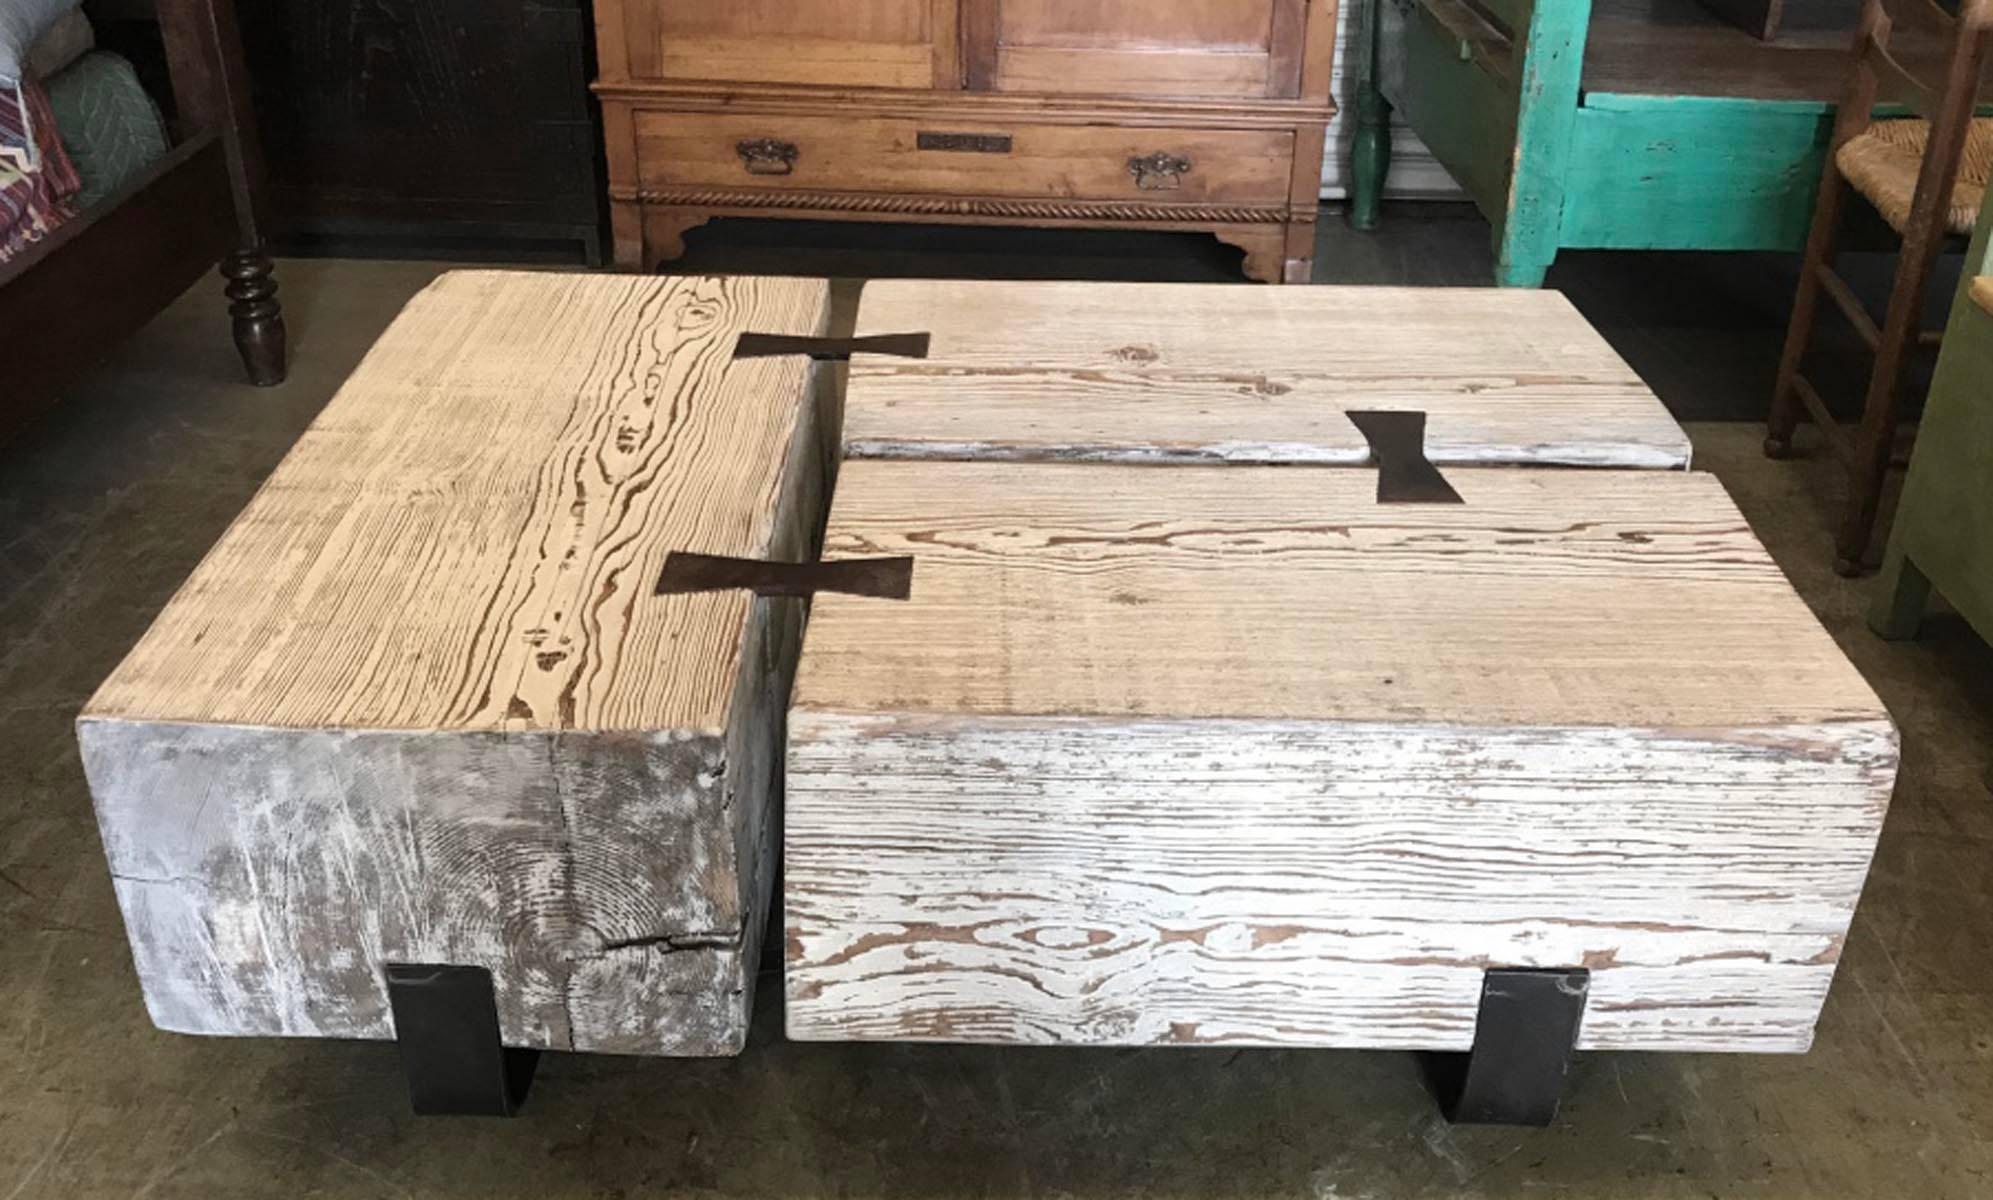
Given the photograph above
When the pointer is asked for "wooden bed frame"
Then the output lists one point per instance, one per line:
(74, 296)
(1607, 124)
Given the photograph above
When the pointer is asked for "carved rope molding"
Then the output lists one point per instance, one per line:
(1093, 210)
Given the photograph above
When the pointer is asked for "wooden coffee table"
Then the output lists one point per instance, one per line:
(419, 711)
(1211, 754)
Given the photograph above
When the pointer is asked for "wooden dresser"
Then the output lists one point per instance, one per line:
(1153, 114)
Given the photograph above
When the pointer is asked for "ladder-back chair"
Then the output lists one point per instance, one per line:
(1924, 175)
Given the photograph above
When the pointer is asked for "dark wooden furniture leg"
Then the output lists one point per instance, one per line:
(1875, 439)
(259, 317)
(1821, 247)
(211, 91)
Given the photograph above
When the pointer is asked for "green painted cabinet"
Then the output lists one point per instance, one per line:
(1943, 537)
(1600, 124)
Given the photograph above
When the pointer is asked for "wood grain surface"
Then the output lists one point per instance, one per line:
(1235, 755)
(1187, 373)
(870, 43)
(420, 705)
(1677, 48)
(467, 536)
(1163, 48)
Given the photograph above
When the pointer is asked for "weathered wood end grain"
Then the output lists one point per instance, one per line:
(1110, 372)
(1236, 755)
(419, 703)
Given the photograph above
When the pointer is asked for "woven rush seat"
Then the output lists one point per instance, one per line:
(1882, 164)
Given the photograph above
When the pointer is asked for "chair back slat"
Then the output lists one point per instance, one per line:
(1924, 15)
(1897, 84)
(1929, 70)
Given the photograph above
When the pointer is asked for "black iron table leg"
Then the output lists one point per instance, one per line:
(1524, 1037)
(446, 1023)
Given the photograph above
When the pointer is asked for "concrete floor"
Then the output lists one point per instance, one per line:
(109, 502)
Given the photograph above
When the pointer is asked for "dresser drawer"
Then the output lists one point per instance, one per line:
(946, 157)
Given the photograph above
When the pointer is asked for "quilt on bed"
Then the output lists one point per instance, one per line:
(75, 123)
(38, 182)
(109, 125)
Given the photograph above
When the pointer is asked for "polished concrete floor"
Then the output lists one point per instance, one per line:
(109, 501)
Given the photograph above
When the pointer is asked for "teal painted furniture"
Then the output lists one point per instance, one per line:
(1606, 124)
(1943, 537)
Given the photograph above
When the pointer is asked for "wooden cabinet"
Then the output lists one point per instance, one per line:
(1189, 114)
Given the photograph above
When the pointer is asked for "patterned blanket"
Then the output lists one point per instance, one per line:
(38, 183)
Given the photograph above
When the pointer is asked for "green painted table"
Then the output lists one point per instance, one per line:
(1606, 124)
(1943, 536)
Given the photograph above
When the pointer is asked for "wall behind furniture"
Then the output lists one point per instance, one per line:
(465, 128)
(429, 127)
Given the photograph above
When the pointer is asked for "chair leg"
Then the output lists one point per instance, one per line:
(1822, 242)
(1875, 441)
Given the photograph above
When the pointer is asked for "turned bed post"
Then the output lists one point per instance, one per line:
(211, 92)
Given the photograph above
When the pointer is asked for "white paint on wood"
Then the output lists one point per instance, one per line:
(420, 705)
(1235, 755)
(1108, 372)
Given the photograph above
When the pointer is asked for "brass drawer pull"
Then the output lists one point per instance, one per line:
(1159, 172)
(768, 156)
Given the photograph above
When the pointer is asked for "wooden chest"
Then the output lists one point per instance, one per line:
(420, 705)
(1209, 115)
(1239, 754)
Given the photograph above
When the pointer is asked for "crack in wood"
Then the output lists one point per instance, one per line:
(566, 848)
(671, 943)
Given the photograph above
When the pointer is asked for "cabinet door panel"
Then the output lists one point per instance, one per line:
(850, 43)
(1242, 48)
